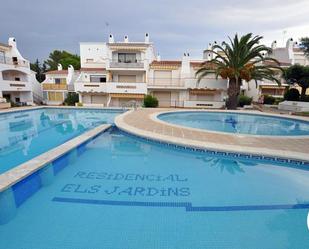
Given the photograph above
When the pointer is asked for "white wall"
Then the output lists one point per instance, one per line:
(97, 51)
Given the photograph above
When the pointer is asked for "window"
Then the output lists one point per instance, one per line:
(17, 79)
(17, 100)
(55, 96)
(127, 58)
(60, 81)
(15, 60)
(89, 60)
(97, 78)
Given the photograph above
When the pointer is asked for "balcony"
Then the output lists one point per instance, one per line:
(126, 64)
(11, 85)
(14, 61)
(52, 86)
(211, 83)
(90, 87)
(112, 87)
(123, 87)
(165, 83)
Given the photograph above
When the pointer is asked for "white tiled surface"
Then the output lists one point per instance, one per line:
(143, 122)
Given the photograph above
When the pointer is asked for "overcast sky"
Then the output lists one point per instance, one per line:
(175, 26)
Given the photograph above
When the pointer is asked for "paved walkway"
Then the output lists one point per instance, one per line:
(143, 123)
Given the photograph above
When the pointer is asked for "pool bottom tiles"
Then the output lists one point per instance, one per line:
(121, 192)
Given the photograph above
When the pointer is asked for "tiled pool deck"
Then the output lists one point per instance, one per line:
(143, 122)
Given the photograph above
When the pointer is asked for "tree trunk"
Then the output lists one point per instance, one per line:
(233, 92)
(303, 93)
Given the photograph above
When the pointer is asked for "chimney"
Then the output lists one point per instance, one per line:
(15, 52)
(126, 39)
(158, 57)
(185, 66)
(289, 47)
(146, 38)
(70, 74)
(296, 44)
(274, 45)
(289, 43)
(111, 39)
(207, 55)
(59, 67)
(12, 42)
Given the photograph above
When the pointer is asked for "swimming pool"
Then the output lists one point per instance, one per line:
(123, 192)
(26, 134)
(238, 123)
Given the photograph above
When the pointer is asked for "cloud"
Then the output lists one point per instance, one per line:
(175, 26)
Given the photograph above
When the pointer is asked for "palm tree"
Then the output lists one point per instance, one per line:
(242, 59)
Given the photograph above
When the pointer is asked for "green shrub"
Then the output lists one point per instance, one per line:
(150, 101)
(269, 100)
(278, 100)
(305, 99)
(244, 100)
(79, 104)
(292, 95)
(71, 99)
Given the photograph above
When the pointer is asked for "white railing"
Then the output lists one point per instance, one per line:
(112, 87)
(123, 87)
(17, 62)
(10, 85)
(166, 82)
(90, 87)
(126, 64)
(203, 104)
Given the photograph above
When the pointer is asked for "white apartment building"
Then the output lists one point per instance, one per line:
(174, 83)
(114, 73)
(57, 84)
(289, 55)
(117, 73)
(17, 81)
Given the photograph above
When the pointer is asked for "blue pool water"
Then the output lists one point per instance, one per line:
(122, 192)
(26, 134)
(238, 123)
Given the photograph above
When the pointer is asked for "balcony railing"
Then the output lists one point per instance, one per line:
(51, 86)
(127, 87)
(112, 87)
(11, 85)
(166, 82)
(12, 61)
(126, 64)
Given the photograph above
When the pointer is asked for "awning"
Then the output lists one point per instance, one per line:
(127, 95)
(203, 91)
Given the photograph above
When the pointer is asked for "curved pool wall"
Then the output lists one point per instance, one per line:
(28, 133)
(164, 190)
(238, 123)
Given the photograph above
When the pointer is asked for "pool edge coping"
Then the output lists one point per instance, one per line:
(184, 142)
(20, 172)
(155, 117)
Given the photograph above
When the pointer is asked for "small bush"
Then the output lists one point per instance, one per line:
(71, 99)
(150, 101)
(305, 99)
(244, 100)
(79, 104)
(292, 95)
(269, 100)
(278, 100)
